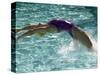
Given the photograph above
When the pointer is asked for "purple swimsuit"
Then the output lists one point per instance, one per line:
(62, 25)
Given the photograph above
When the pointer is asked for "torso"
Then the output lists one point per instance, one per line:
(81, 36)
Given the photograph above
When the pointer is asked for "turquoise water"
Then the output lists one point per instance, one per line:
(54, 52)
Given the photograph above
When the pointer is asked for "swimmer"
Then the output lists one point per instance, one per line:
(58, 25)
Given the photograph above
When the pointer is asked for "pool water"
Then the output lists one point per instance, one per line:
(54, 51)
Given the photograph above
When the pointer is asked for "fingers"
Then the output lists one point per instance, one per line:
(28, 33)
(16, 30)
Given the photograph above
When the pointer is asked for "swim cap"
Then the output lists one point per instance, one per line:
(61, 24)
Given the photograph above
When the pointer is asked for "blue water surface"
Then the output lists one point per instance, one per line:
(35, 54)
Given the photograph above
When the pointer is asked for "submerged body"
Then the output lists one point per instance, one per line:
(58, 26)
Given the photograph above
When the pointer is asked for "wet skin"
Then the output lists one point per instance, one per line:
(57, 26)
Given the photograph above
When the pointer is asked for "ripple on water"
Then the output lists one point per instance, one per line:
(42, 53)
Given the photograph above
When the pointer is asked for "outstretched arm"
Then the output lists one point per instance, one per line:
(29, 27)
(37, 29)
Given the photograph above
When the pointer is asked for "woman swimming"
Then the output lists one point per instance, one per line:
(58, 25)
